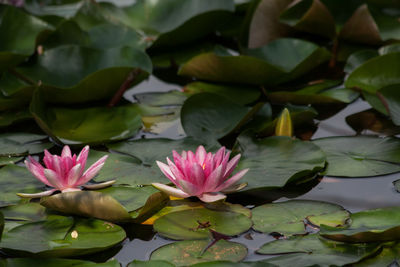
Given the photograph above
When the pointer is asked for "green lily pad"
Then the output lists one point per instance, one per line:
(197, 223)
(279, 61)
(98, 75)
(321, 93)
(186, 20)
(358, 58)
(19, 32)
(368, 226)
(61, 236)
(21, 262)
(126, 170)
(144, 149)
(376, 73)
(63, 9)
(391, 97)
(288, 218)
(9, 160)
(116, 204)
(360, 156)
(153, 263)
(184, 204)
(20, 144)
(312, 251)
(234, 264)
(208, 117)
(276, 161)
(86, 125)
(389, 256)
(239, 94)
(29, 212)
(10, 117)
(16, 179)
(189, 252)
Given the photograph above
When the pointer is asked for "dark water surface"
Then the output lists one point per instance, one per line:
(354, 194)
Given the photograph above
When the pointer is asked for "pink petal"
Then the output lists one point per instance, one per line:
(189, 188)
(219, 156)
(191, 157)
(73, 175)
(37, 195)
(67, 164)
(66, 152)
(197, 175)
(214, 180)
(201, 155)
(232, 180)
(211, 197)
(178, 160)
(177, 174)
(92, 171)
(232, 165)
(170, 190)
(82, 157)
(58, 167)
(37, 170)
(48, 159)
(208, 164)
(167, 172)
(54, 179)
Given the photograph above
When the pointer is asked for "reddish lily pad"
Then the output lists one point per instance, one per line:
(189, 252)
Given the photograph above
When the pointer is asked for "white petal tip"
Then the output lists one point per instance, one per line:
(212, 197)
(37, 195)
(172, 191)
(100, 185)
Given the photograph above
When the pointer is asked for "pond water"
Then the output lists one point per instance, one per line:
(354, 194)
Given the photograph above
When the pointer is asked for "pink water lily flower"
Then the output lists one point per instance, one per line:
(66, 172)
(201, 174)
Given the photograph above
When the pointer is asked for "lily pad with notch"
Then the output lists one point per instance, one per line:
(60, 236)
(291, 217)
(311, 250)
(188, 252)
(360, 156)
(277, 161)
(377, 225)
(280, 61)
(196, 224)
(14, 179)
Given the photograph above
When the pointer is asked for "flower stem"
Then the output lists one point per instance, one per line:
(124, 86)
